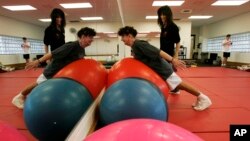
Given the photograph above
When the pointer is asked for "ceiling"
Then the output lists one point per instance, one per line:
(121, 10)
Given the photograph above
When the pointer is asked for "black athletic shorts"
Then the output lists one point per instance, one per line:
(26, 56)
(226, 54)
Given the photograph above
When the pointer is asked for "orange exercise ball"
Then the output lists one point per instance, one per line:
(130, 67)
(88, 72)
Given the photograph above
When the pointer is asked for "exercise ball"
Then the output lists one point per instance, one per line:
(132, 98)
(88, 72)
(142, 130)
(53, 108)
(130, 67)
(9, 133)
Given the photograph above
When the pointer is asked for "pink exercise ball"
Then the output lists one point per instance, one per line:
(9, 133)
(142, 130)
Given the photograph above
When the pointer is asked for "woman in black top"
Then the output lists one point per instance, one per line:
(54, 33)
(169, 38)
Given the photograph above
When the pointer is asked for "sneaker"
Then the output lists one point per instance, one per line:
(18, 101)
(202, 103)
(175, 91)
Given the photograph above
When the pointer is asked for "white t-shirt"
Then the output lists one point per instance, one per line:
(26, 47)
(227, 43)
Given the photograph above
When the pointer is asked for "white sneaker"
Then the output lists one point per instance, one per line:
(202, 103)
(18, 101)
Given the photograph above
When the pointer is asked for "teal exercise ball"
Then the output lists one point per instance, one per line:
(132, 98)
(53, 108)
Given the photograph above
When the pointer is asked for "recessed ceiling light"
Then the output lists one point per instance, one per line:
(19, 7)
(151, 17)
(45, 20)
(169, 3)
(76, 5)
(229, 2)
(200, 17)
(91, 18)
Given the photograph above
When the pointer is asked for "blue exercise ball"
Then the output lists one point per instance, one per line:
(132, 98)
(54, 107)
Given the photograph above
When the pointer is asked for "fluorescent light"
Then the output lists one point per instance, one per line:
(151, 17)
(200, 17)
(169, 3)
(229, 2)
(76, 5)
(45, 20)
(91, 18)
(20, 7)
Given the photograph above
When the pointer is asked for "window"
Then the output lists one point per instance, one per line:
(12, 45)
(241, 43)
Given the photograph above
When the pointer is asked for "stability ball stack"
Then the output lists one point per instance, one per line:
(54, 107)
(132, 68)
(134, 91)
(88, 72)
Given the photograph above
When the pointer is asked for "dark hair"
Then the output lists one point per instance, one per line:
(228, 35)
(86, 31)
(56, 12)
(127, 30)
(24, 38)
(165, 10)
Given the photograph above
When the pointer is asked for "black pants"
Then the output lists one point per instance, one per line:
(26, 56)
(226, 54)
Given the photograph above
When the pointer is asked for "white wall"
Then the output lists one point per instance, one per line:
(20, 29)
(237, 24)
(185, 33)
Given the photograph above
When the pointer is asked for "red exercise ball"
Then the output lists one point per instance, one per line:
(130, 67)
(9, 133)
(88, 72)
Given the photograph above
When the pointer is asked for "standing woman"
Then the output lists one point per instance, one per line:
(169, 38)
(54, 33)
